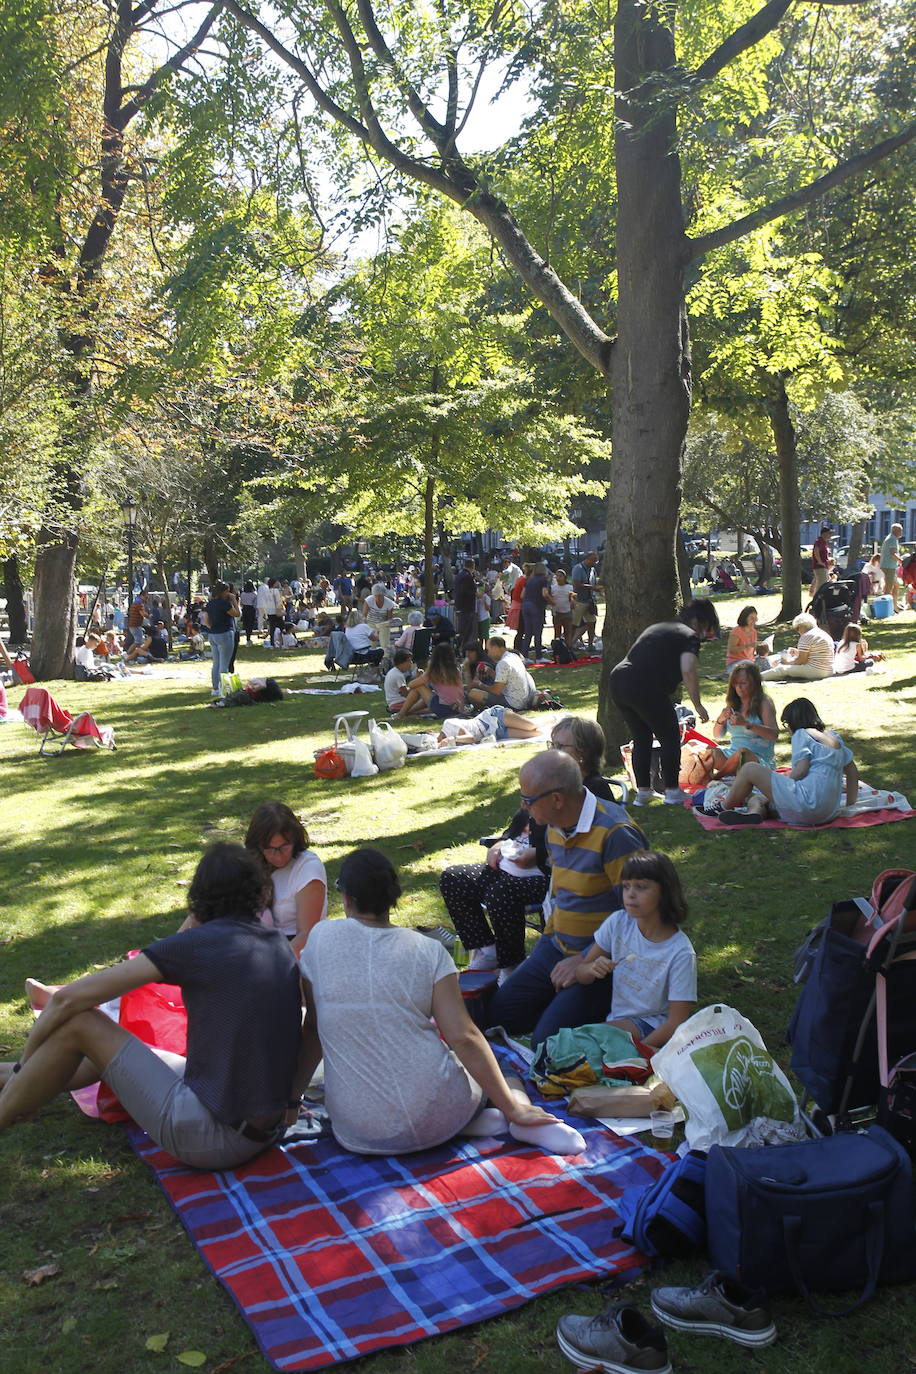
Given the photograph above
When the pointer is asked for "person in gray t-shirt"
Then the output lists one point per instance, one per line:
(228, 1098)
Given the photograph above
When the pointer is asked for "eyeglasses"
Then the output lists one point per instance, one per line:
(276, 848)
(529, 801)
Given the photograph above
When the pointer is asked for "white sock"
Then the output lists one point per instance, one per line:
(489, 1121)
(557, 1138)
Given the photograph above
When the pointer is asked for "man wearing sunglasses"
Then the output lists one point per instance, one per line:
(588, 840)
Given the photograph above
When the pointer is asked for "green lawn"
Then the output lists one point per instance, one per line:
(96, 851)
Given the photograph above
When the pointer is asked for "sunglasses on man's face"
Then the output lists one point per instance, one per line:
(529, 801)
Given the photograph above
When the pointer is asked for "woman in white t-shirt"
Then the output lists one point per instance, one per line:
(563, 598)
(653, 962)
(298, 897)
(405, 1067)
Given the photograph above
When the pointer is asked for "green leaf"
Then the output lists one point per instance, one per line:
(194, 1358)
(158, 1342)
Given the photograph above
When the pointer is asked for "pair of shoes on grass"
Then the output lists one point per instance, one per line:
(674, 796)
(621, 1341)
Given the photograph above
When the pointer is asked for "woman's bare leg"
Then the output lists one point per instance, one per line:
(725, 765)
(50, 1069)
(519, 727)
(749, 776)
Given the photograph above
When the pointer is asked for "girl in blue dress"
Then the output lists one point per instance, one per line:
(812, 792)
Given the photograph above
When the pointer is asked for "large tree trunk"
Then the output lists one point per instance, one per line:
(650, 364)
(15, 604)
(429, 526)
(211, 557)
(856, 543)
(55, 610)
(789, 511)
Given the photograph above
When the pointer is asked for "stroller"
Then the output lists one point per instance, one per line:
(856, 1013)
(832, 607)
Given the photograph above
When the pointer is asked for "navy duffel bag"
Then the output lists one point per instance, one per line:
(835, 1213)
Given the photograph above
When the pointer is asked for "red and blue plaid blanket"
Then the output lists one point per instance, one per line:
(331, 1255)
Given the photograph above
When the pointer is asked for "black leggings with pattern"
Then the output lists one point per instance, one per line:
(468, 888)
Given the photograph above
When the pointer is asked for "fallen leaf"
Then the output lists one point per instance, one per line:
(33, 1277)
(157, 1343)
(194, 1358)
(104, 1284)
(68, 1325)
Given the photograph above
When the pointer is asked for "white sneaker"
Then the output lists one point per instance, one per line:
(643, 795)
(676, 796)
(215, 693)
(484, 959)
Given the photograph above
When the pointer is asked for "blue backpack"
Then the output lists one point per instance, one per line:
(668, 1217)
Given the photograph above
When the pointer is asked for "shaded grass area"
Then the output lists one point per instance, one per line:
(96, 851)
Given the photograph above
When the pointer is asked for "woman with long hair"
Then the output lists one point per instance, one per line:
(749, 719)
(440, 688)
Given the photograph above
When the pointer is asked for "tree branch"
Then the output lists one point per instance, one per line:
(132, 107)
(434, 131)
(785, 205)
(744, 37)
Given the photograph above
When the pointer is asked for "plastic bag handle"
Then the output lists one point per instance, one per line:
(874, 1250)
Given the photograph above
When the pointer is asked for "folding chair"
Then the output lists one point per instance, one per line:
(53, 724)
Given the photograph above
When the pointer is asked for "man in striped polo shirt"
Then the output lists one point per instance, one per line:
(588, 839)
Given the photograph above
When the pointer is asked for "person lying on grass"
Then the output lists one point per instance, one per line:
(652, 960)
(233, 1093)
(405, 1066)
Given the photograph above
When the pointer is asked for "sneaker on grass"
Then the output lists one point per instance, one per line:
(720, 1306)
(618, 1341)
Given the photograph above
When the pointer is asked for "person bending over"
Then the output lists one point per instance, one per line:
(228, 1099)
(405, 1067)
(643, 684)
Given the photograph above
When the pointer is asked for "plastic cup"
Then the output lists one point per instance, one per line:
(662, 1123)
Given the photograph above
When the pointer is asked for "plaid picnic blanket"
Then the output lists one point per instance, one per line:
(331, 1255)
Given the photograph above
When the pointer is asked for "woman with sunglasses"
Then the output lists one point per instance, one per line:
(297, 878)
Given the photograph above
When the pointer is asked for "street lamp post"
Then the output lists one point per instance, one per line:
(129, 512)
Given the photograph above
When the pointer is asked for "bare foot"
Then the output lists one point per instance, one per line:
(38, 994)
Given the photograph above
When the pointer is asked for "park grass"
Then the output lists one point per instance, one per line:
(96, 851)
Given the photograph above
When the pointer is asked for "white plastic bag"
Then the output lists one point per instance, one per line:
(356, 752)
(734, 1092)
(389, 749)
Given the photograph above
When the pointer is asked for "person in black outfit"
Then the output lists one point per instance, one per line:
(643, 684)
(466, 605)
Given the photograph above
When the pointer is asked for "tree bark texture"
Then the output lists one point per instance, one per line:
(789, 508)
(856, 544)
(429, 525)
(15, 605)
(650, 366)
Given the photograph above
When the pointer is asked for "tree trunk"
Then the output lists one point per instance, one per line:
(55, 610)
(650, 364)
(684, 565)
(789, 511)
(429, 525)
(211, 558)
(856, 543)
(445, 550)
(15, 605)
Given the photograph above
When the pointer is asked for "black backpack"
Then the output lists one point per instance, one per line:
(561, 651)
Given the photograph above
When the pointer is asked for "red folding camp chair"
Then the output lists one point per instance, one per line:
(54, 724)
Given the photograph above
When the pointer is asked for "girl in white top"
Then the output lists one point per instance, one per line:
(298, 882)
(654, 964)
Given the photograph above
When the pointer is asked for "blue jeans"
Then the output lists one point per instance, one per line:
(528, 1000)
(221, 647)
